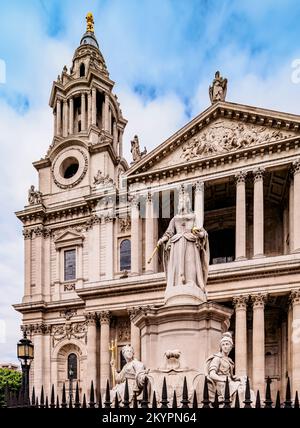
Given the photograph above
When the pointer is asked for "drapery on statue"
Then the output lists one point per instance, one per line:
(218, 89)
(185, 249)
(34, 196)
(219, 367)
(135, 149)
(135, 373)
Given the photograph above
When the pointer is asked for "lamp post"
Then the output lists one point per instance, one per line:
(25, 355)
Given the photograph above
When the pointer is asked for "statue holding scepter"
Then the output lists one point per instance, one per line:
(185, 252)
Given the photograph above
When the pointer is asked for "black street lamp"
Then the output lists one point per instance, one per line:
(25, 356)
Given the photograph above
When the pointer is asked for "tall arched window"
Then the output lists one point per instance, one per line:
(82, 70)
(72, 366)
(125, 255)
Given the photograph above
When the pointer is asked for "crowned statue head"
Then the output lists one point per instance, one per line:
(128, 352)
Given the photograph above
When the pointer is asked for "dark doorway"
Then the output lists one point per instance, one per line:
(222, 246)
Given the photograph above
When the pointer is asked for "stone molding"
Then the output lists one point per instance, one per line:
(295, 297)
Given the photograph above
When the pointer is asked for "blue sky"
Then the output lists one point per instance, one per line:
(162, 54)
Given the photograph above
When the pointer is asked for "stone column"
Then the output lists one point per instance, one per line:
(106, 113)
(240, 304)
(258, 213)
(258, 343)
(135, 335)
(199, 203)
(83, 124)
(136, 238)
(38, 378)
(121, 143)
(109, 226)
(65, 118)
(115, 135)
(27, 233)
(71, 116)
(89, 110)
(291, 215)
(94, 106)
(104, 349)
(295, 301)
(91, 351)
(39, 261)
(54, 123)
(58, 117)
(151, 235)
(94, 250)
(240, 221)
(296, 225)
(47, 264)
(47, 360)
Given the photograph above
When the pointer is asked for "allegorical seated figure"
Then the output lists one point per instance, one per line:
(218, 367)
(134, 371)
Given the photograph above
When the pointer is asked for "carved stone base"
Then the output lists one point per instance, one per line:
(193, 331)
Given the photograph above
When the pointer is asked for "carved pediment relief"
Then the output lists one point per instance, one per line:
(69, 238)
(222, 136)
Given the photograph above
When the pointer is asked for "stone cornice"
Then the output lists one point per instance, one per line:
(244, 113)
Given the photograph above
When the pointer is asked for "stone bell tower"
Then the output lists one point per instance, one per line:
(86, 115)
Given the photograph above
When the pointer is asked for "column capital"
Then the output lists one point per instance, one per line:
(149, 199)
(27, 233)
(240, 302)
(134, 201)
(240, 177)
(199, 186)
(295, 297)
(104, 317)
(132, 312)
(295, 169)
(258, 173)
(258, 300)
(38, 231)
(91, 318)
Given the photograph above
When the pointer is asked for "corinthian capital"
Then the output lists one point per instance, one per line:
(104, 317)
(295, 297)
(240, 302)
(296, 167)
(259, 300)
(258, 173)
(240, 177)
(91, 318)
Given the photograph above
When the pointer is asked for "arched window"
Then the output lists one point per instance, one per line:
(72, 366)
(82, 70)
(125, 255)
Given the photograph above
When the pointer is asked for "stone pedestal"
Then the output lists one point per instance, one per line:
(194, 330)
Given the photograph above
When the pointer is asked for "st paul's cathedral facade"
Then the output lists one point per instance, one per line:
(91, 231)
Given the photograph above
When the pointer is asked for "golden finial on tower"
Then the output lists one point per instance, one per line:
(89, 22)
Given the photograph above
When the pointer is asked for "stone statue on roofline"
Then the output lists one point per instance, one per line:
(34, 196)
(218, 89)
(135, 149)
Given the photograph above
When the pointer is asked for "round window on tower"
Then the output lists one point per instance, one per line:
(69, 167)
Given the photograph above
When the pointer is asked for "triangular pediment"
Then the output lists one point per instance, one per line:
(69, 237)
(223, 128)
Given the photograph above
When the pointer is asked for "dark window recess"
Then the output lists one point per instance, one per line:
(125, 255)
(82, 70)
(70, 265)
(72, 366)
(71, 170)
(122, 360)
(222, 246)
